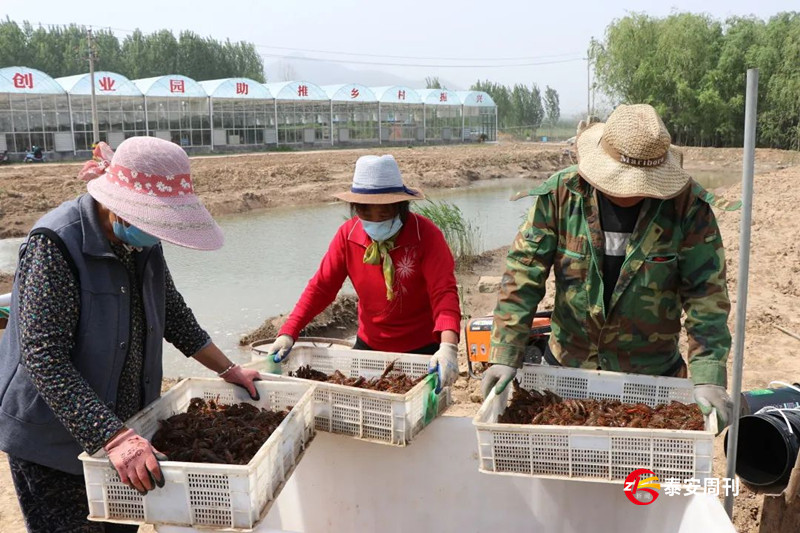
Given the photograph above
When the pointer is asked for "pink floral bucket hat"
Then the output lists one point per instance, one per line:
(147, 183)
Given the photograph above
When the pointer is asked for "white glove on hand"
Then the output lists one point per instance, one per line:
(445, 361)
(714, 397)
(280, 348)
(497, 376)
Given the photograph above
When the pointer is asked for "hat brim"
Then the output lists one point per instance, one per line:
(180, 220)
(387, 198)
(614, 178)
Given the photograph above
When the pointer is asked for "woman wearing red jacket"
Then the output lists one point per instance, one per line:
(400, 266)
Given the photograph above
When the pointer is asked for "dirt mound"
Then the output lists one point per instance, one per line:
(339, 320)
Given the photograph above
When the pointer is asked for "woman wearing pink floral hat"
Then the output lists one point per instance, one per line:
(92, 300)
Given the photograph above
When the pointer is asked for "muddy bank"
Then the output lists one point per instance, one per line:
(339, 320)
(236, 184)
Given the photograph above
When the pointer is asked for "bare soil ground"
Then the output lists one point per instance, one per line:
(241, 183)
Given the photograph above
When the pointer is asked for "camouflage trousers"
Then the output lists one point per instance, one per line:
(55, 502)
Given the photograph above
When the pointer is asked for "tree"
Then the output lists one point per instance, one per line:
(551, 105)
(691, 68)
(432, 82)
(63, 51)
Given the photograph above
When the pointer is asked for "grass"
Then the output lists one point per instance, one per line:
(462, 237)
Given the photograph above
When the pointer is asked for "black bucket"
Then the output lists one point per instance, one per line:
(782, 397)
(767, 450)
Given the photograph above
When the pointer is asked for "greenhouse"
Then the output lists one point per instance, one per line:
(33, 111)
(176, 109)
(354, 113)
(479, 116)
(303, 113)
(242, 112)
(224, 114)
(442, 115)
(120, 108)
(401, 114)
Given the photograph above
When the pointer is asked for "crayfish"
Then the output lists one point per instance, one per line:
(533, 407)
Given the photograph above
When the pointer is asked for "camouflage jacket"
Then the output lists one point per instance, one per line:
(674, 260)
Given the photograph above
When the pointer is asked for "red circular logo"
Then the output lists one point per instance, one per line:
(641, 486)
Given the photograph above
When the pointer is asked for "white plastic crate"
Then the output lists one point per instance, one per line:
(593, 453)
(202, 494)
(365, 414)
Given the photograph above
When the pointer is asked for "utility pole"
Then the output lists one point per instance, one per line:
(588, 85)
(589, 91)
(92, 58)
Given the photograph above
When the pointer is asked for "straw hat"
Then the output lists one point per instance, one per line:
(630, 155)
(377, 180)
(147, 182)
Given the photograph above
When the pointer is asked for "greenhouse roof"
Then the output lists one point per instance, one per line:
(297, 90)
(236, 88)
(476, 99)
(106, 83)
(24, 80)
(396, 94)
(439, 97)
(351, 92)
(175, 86)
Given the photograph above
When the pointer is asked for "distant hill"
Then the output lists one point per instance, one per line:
(325, 73)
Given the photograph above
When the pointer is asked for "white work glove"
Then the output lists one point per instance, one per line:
(497, 376)
(710, 397)
(445, 361)
(280, 348)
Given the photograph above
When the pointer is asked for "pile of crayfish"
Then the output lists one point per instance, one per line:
(533, 407)
(397, 382)
(210, 432)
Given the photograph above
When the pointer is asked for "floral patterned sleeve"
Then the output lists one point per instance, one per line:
(181, 328)
(48, 316)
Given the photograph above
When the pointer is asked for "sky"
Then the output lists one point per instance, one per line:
(354, 40)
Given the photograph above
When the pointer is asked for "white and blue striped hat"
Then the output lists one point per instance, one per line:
(377, 180)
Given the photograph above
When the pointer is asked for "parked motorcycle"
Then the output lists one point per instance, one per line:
(35, 155)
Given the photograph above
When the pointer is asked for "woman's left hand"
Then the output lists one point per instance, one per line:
(243, 377)
(445, 361)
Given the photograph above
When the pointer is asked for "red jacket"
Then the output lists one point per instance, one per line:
(425, 301)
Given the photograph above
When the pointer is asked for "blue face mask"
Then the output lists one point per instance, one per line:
(380, 231)
(133, 236)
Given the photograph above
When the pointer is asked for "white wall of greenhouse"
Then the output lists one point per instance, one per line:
(401, 114)
(302, 112)
(120, 108)
(354, 113)
(442, 119)
(33, 111)
(176, 109)
(479, 114)
(242, 112)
